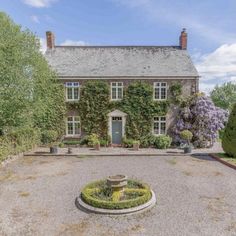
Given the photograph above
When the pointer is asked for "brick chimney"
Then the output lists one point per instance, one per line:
(50, 40)
(183, 39)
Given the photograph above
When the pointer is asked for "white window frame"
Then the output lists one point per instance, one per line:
(116, 87)
(73, 122)
(160, 86)
(72, 85)
(159, 121)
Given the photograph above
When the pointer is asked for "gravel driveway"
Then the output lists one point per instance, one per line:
(195, 196)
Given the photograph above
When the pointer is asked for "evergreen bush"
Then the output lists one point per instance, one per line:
(162, 141)
(229, 137)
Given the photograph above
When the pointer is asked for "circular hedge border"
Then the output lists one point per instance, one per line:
(90, 203)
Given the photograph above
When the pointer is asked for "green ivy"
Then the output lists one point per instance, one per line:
(94, 107)
(137, 102)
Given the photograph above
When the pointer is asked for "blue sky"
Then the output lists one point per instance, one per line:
(210, 26)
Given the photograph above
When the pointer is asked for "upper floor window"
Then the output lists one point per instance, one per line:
(73, 126)
(159, 125)
(116, 90)
(72, 91)
(160, 91)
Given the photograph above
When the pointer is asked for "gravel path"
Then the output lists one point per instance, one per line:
(195, 196)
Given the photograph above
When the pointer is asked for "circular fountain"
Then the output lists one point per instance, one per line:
(116, 195)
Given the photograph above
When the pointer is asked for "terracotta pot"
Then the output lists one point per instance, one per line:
(97, 146)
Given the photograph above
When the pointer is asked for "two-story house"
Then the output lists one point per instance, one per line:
(119, 66)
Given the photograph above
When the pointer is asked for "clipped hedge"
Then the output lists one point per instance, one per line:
(229, 137)
(86, 195)
(18, 140)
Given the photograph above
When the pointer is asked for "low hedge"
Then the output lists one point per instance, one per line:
(18, 140)
(88, 190)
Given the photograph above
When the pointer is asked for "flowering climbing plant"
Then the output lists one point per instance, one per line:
(202, 118)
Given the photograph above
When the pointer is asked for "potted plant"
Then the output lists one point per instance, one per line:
(96, 145)
(136, 144)
(93, 141)
(187, 136)
(54, 148)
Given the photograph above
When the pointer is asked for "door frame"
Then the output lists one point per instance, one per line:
(116, 113)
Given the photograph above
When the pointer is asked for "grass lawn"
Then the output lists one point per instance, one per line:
(226, 158)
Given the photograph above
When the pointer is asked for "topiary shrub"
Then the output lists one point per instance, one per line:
(229, 137)
(162, 141)
(97, 194)
(186, 135)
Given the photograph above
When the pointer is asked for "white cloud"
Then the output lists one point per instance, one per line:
(217, 67)
(69, 42)
(43, 45)
(35, 19)
(39, 3)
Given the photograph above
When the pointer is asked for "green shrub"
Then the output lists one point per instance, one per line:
(103, 142)
(93, 139)
(229, 138)
(49, 136)
(162, 141)
(84, 141)
(136, 142)
(127, 143)
(71, 142)
(186, 135)
(18, 140)
(147, 141)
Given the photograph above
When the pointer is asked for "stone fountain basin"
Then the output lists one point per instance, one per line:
(117, 181)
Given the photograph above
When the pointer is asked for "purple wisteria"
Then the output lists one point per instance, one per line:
(203, 119)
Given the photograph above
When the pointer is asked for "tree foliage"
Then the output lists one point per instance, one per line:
(30, 96)
(229, 138)
(224, 96)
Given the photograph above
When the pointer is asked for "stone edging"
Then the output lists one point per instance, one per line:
(83, 206)
(214, 156)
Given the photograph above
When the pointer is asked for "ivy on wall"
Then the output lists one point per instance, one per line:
(137, 102)
(93, 108)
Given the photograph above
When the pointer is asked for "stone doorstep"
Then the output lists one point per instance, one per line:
(214, 156)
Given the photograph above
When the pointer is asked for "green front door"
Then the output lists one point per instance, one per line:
(116, 130)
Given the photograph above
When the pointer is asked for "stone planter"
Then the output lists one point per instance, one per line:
(136, 146)
(70, 150)
(97, 146)
(54, 150)
(188, 149)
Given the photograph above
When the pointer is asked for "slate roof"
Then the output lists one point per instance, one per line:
(116, 61)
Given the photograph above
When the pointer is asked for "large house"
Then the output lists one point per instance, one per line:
(119, 66)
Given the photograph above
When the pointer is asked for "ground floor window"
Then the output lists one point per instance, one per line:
(73, 125)
(159, 125)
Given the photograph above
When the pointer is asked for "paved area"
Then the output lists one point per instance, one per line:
(125, 151)
(195, 196)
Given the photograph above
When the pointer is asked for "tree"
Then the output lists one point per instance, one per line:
(29, 92)
(202, 118)
(229, 138)
(224, 96)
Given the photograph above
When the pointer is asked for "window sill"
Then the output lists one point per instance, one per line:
(160, 99)
(73, 136)
(72, 101)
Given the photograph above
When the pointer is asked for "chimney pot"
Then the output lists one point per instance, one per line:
(183, 39)
(50, 40)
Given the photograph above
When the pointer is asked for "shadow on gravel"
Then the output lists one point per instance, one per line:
(202, 156)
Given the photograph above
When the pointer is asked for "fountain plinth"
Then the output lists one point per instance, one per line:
(117, 183)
